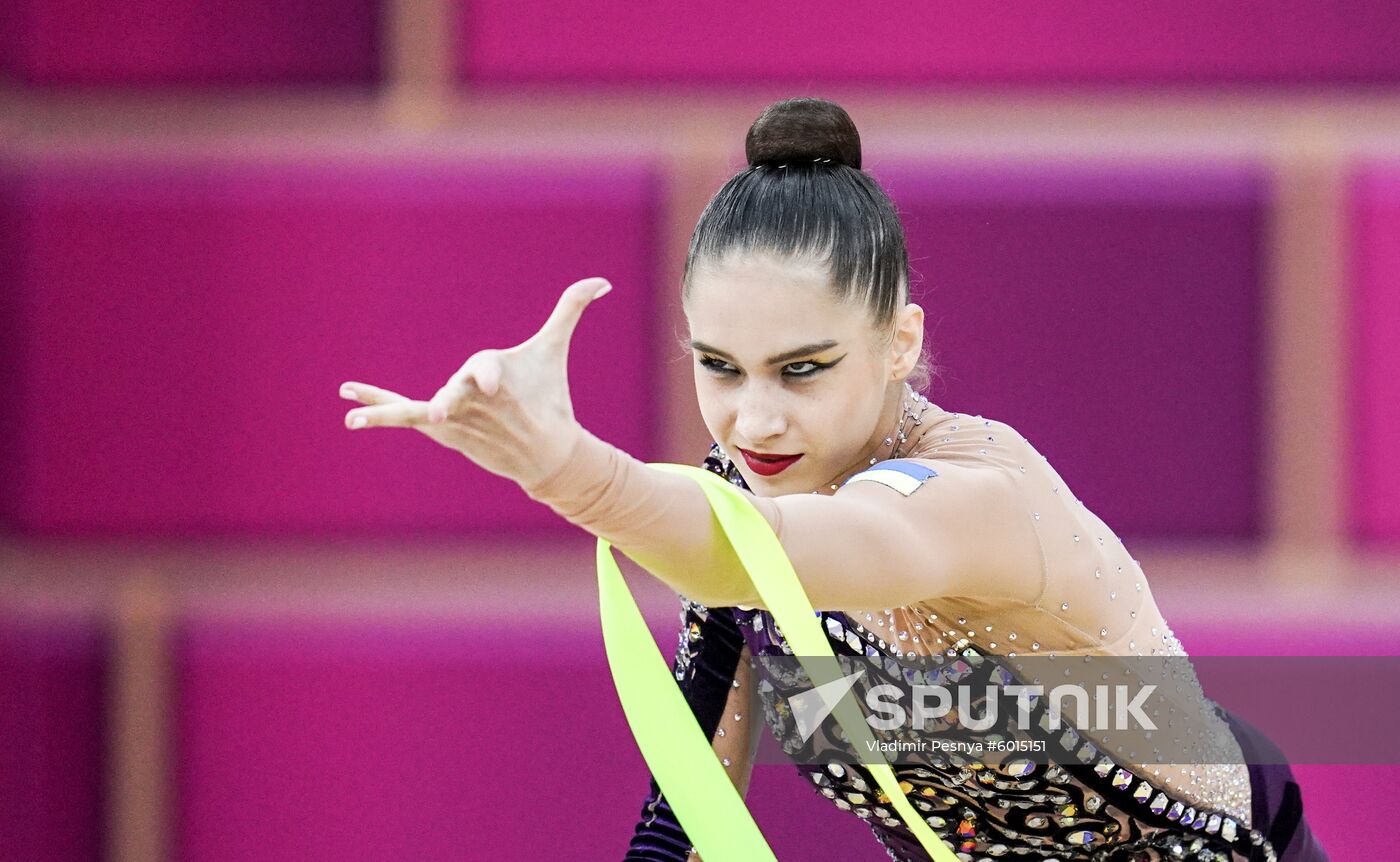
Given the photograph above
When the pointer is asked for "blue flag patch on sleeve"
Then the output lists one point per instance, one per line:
(903, 476)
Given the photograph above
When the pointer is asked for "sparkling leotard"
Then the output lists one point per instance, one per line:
(1091, 599)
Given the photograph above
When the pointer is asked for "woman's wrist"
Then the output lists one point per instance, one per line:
(660, 520)
(581, 480)
(541, 485)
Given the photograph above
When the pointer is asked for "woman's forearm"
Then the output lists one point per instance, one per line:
(661, 520)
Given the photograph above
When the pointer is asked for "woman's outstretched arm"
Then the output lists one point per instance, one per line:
(964, 531)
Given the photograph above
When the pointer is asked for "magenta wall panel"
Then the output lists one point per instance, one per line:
(52, 738)
(361, 740)
(1111, 314)
(158, 42)
(1083, 41)
(183, 331)
(1374, 435)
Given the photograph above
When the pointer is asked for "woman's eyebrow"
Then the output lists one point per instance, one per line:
(804, 350)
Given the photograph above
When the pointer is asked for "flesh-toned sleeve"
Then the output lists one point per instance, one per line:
(909, 530)
(963, 531)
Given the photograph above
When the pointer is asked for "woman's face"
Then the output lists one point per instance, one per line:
(782, 368)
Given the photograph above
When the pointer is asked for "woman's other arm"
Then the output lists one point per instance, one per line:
(714, 675)
(736, 747)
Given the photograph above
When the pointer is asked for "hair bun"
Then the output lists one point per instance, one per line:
(798, 130)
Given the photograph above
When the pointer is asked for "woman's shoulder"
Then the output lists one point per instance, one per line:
(972, 440)
(984, 458)
(957, 494)
(1030, 487)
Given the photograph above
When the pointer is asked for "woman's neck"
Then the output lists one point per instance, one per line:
(903, 420)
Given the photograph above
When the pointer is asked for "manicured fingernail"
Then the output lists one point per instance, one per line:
(359, 422)
(607, 286)
(347, 392)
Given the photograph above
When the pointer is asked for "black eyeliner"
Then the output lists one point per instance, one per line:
(713, 363)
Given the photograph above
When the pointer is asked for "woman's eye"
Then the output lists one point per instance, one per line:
(718, 366)
(724, 368)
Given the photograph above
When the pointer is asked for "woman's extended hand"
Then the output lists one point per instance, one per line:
(507, 410)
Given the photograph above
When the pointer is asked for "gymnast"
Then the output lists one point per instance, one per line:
(916, 531)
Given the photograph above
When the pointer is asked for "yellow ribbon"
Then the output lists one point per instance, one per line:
(677, 751)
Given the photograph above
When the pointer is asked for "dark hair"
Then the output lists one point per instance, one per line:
(803, 194)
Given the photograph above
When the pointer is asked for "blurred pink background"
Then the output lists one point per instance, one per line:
(1162, 243)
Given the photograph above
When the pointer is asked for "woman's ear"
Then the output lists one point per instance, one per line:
(908, 340)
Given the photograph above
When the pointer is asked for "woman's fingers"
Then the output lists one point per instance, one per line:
(404, 413)
(380, 399)
(483, 374)
(483, 370)
(559, 328)
(366, 394)
(480, 373)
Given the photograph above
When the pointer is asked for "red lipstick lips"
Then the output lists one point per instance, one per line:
(768, 465)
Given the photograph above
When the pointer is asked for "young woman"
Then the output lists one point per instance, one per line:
(916, 530)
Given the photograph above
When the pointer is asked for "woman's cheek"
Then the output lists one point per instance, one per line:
(712, 410)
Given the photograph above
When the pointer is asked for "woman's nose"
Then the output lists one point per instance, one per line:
(760, 418)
